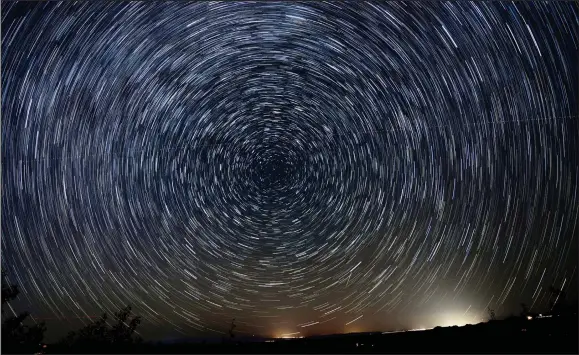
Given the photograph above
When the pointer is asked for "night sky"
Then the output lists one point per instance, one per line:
(305, 168)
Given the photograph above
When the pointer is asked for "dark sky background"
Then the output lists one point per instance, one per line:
(305, 168)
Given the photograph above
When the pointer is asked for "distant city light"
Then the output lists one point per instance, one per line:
(454, 319)
(289, 336)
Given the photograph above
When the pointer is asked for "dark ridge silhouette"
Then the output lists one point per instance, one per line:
(529, 334)
(555, 332)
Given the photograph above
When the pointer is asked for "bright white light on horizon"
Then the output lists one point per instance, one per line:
(289, 336)
(454, 319)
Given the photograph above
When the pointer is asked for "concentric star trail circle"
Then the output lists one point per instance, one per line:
(301, 167)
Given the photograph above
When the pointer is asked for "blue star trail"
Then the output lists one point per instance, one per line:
(303, 168)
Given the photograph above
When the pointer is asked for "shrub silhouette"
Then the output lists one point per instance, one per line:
(100, 334)
(18, 337)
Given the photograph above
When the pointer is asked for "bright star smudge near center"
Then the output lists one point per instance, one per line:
(301, 167)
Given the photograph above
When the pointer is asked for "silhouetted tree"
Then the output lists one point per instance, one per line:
(231, 334)
(123, 331)
(9, 292)
(99, 334)
(524, 310)
(492, 315)
(18, 337)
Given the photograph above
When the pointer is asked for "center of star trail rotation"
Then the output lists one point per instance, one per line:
(301, 167)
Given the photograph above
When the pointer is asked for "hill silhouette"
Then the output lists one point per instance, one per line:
(548, 334)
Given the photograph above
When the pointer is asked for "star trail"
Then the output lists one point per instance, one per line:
(304, 168)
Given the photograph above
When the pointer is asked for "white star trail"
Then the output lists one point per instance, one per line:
(280, 162)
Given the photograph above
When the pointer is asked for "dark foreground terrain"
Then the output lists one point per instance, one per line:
(516, 335)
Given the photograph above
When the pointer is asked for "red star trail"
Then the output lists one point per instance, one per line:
(304, 168)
